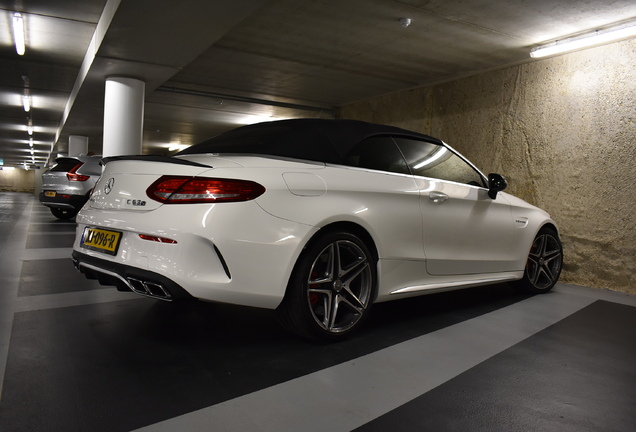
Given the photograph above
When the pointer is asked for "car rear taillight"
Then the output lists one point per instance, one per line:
(72, 176)
(189, 190)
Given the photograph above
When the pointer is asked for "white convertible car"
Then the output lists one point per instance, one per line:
(318, 219)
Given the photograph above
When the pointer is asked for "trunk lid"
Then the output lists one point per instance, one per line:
(125, 179)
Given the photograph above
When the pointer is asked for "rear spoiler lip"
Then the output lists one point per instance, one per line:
(151, 158)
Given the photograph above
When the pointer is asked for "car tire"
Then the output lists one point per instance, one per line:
(331, 288)
(63, 214)
(544, 264)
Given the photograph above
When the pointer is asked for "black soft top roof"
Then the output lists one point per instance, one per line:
(319, 140)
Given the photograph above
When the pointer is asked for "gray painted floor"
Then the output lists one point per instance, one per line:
(77, 356)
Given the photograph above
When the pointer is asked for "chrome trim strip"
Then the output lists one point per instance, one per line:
(454, 285)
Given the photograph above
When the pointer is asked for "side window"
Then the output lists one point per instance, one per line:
(431, 160)
(378, 153)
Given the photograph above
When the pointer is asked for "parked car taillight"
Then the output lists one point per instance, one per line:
(72, 176)
(188, 190)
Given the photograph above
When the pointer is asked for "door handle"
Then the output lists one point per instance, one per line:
(437, 197)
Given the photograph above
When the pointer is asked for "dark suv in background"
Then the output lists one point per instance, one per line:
(67, 185)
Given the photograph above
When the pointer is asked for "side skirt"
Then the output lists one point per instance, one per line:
(450, 286)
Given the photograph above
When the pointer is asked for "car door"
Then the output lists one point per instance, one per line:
(393, 206)
(464, 230)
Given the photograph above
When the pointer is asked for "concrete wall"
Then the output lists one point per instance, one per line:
(563, 132)
(18, 180)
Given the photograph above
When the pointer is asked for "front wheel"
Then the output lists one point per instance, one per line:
(544, 263)
(331, 288)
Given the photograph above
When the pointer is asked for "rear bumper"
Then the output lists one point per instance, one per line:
(127, 278)
(67, 202)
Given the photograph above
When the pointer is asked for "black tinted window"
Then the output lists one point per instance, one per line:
(378, 153)
(274, 139)
(64, 164)
(436, 161)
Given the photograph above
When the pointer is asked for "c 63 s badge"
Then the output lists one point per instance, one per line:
(136, 202)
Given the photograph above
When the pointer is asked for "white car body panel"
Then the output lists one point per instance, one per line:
(270, 245)
(457, 229)
(266, 236)
(315, 218)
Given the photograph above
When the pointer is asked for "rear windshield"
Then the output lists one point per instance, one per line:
(274, 140)
(64, 164)
(320, 140)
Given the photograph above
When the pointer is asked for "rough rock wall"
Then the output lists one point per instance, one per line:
(563, 132)
(17, 180)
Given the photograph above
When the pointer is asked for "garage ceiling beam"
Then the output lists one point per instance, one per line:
(223, 96)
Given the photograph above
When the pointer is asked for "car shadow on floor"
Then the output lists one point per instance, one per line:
(122, 365)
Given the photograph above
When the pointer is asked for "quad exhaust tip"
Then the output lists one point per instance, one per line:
(138, 286)
(147, 288)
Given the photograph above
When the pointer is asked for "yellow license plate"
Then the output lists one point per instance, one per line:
(49, 193)
(101, 240)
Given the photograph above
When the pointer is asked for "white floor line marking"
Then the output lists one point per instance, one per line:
(75, 298)
(56, 224)
(53, 233)
(10, 270)
(12, 255)
(356, 392)
(46, 253)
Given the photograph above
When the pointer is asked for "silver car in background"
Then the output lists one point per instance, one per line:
(67, 185)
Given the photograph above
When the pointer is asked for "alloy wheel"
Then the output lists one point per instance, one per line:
(339, 286)
(544, 261)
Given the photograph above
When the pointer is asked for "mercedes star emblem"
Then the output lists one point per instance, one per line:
(109, 185)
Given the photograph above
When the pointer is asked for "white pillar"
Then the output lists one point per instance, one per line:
(123, 116)
(77, 145)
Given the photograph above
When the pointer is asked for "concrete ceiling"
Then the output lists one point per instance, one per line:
(210, 66)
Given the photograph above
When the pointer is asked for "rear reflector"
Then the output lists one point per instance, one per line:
(189, 190)
(157, 239)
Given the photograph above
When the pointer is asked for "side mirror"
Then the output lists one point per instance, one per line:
(496, 183)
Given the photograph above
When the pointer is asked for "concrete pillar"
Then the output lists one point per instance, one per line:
(77, 145)
(123, 116)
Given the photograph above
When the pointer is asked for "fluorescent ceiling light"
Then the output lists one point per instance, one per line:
(18, 33)
(26, 103)
(431, 158)
(586, 40)
(174, 146)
